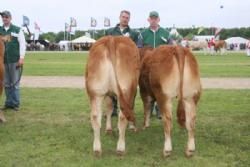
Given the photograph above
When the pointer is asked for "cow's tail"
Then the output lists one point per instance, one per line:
(180, 56)
(125, 106)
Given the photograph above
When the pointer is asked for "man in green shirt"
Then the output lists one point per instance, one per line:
(155, 36)
(122, 29)
(13, 60)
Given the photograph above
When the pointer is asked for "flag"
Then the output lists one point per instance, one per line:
(106, 22)
(217, 31)
(72, 32)
(26, 21)
(200, 30)
(37, 27)
(73, 22)
(67, 27)
(93, 22)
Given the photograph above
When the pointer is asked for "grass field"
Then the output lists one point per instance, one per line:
(73, 63)
(49, 132)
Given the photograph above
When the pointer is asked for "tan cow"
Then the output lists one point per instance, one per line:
(220, 46)
(2, 40)
(112, 69)
(168, 72)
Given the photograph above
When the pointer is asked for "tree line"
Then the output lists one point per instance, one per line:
(184, 32)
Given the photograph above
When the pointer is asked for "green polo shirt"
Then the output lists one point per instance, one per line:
(12, 52)
(154, 39)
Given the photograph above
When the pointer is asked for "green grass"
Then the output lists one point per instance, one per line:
(228, 65)
(53, 129)
(55, 64)
(73, 63)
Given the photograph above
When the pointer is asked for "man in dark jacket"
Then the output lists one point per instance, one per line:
(123, 28)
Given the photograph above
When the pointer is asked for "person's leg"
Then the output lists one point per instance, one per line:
(115, 105)
(7, 83)
(158, 113)
(11, 80)
(152, 106)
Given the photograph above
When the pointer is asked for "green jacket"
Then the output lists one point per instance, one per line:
(115, 31)
(154, 39)
(12, 53)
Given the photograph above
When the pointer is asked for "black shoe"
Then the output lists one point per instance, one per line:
(5, 108)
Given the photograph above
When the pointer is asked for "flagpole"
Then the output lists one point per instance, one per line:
(64, 33)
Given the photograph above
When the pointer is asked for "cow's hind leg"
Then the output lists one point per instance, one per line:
(122, 124)
(166, 110)
(2, 118)
(109, 111)
(190, 112)
(147, 113)
(96, 115)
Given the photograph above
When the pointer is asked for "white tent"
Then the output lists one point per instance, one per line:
(64, 45)
(236, 40)
(83, 39)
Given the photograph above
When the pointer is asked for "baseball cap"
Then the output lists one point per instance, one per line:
(5, 13)
(153, 14)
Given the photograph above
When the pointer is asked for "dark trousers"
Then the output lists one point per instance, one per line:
(154, 107)
(11, 85)
(115, 105)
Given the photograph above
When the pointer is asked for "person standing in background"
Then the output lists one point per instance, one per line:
(13, 61)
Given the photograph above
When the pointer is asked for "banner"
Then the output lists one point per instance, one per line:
(73, 22)
(106, 22)
(26, 21)
(93, 22)
(217, 31)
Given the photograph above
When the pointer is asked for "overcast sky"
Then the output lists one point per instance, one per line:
(52, 14)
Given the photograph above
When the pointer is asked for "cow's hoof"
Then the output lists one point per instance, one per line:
(134, 130)
(97, 153)
(166, 153)
(131, 127)
(189, 153)
(109, 132)
(145, 127)
(120, 153)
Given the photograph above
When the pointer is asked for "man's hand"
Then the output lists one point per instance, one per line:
(20, 62)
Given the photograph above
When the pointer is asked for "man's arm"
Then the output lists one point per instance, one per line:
(22, 47)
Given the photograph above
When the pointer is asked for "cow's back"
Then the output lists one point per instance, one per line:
(161, 71)
(111, 59)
